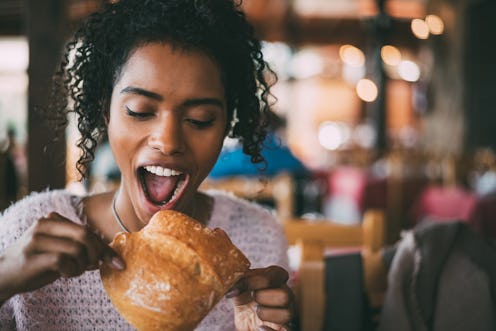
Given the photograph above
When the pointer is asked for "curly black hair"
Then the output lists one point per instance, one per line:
(95, 55)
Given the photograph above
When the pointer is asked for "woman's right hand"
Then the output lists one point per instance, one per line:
(51, 248)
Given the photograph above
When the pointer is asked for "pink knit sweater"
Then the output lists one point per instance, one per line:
(82, 304)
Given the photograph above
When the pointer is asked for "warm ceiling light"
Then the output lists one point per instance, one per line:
(352, 55)
(366, 90)
(435, 24)
(390, 55)
(419, 28)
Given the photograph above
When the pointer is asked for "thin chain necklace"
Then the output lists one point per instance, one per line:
(119, 221)
(116, 215)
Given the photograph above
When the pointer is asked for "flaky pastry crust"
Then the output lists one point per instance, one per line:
(177, 269)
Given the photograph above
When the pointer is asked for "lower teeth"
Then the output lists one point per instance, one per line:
(176, 191)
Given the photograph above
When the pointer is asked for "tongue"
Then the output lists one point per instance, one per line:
(160, 188)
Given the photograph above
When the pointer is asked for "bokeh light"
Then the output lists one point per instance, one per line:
(409, 71)
(420, 28)
(390, 55)
(366, 90)
(306, 64)
(331, 135)
(352, 55)
(435, 24)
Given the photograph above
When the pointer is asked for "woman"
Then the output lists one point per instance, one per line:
(166, 80)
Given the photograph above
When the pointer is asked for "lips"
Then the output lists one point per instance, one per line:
(162, 186)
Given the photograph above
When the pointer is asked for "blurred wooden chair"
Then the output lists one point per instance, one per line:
(277, 190)
(318, 240)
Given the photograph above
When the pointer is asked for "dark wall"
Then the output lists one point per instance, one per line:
(45, 30)
(480, 74)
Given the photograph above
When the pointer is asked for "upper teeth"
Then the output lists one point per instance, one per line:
(161, 171)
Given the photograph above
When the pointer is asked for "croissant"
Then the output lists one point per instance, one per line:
(177, 269)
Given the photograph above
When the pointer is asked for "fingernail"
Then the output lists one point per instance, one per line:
(232, 293)
(117, 263)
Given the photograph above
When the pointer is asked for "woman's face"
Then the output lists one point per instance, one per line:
(166, 127)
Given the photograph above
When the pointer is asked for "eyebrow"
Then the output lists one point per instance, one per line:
(187, 103)
(203, 101)
(143, 92)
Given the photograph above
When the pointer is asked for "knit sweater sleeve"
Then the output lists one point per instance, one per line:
(7, 317)
(253, 229)
(18, 218)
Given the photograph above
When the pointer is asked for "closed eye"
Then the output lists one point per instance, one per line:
(200, 124)
(138, 115)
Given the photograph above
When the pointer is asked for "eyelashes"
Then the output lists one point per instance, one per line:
(198, 124)
(138, 115)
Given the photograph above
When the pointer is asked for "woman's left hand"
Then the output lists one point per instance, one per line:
(262, 300)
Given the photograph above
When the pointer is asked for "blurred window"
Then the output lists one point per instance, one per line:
(14, 59)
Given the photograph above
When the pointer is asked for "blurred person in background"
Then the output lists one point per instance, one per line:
(279, 158)
(10, 178)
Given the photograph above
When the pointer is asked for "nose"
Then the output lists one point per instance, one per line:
(167, 136)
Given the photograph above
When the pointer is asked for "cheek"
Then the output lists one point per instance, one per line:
(119, 141)
(207, 150)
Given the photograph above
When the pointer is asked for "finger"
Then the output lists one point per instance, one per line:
(273, 297)
(274, 315)
(242, 299)
(62, 264)
(98, 250)
(57, 225)
(38, 268)
(42, 243)
(66, 266)
(94, 251)
(112, 259)
(241, 286)
(265, 328)
(275, 327)
(270, 277)
(255, 279)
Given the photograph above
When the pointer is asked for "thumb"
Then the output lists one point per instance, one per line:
(239, 293)
(242, 299)
(113, 260)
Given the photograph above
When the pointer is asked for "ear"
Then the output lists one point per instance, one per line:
(106, 117)
(106, 111)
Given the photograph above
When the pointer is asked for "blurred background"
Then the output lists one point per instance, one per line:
(381, 104)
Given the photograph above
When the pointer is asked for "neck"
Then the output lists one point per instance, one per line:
(196, 212)
(116, 214)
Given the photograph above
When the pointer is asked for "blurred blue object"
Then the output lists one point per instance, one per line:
(233, 162)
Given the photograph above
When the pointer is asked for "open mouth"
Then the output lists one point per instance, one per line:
(162, 186)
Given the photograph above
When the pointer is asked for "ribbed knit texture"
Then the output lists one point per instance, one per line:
(81, 303)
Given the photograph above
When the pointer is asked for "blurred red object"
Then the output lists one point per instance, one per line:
(483, 216)
(437, 203)
(349, 182)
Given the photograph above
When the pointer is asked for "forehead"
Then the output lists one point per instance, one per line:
(163, 68)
